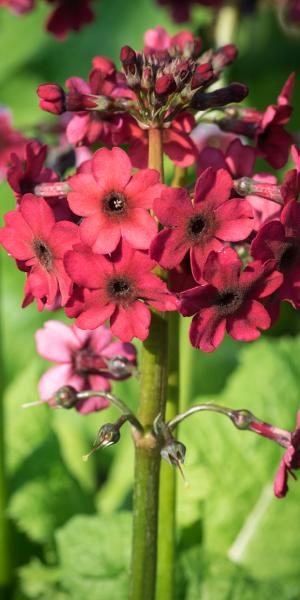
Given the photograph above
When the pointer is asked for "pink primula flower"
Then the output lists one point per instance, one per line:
(238, 159)
(114, 202)
(289, 462)
(69, 15)
(280, 241)
(178, 144)
(24, 175)
(158, 40)
(230, 300)
(11, 140)
(202, 226)
(83, 360)
(90, 127)
(32, 236)
(118, 288)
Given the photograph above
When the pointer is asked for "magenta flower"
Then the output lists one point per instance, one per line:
(289, 461)
(201, 227)
(290, 188)
(114, 202)
(69, 15)
(280, 241)
(83, 360)
(157, 40)
(32, 236)
(178, 145)
(115, 288)
(231, 300)
(238, 159)
(19, 7)
(24, 175)
(11, 140)
(97, 126)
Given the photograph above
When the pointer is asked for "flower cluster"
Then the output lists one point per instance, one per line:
(111, 242)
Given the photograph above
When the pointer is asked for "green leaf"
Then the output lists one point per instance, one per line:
(25, 428)
(49, 498)
(230, 472)
(94, 556)
(41, 582)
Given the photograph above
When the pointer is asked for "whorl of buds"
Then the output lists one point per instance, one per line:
(235, 92)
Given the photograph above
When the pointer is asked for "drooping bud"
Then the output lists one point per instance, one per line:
(235, 92)
(65, 397)
(174, 453)
(120, 367)
(108, 435)
(52, 98)
(165, 85)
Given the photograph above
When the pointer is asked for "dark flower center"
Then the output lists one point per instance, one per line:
(120, 289)
(43, 254)
(289, 256)
(115, 203)
(229, 301)
(85, 362)
(195, 226)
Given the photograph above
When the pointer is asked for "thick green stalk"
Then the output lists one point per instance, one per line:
(147, 457)
(5, 554)
(167, 492)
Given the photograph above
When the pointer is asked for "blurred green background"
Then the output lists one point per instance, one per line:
(71, 520)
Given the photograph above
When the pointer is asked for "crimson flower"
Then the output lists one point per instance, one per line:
(32, 236)
(289, 461)
(116, 287)
(201, 227)
(290, 188)
(24, 175)
(11, 140)
(19, 7)
(69, 15)
(280, 241)
(83, 359)
(238, 159)
(98, 126)
(231, 300)
(114, 202)
(178, 145)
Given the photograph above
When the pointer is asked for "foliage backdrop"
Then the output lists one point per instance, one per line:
(70, 519)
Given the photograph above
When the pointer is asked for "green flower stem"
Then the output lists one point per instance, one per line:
(5, 554)
(153, 389)
(167, 493)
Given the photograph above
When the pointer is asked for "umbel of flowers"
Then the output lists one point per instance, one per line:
(125, 254)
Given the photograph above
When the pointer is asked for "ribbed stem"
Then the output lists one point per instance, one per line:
(167, 492)
(147, 458)
(5, 554)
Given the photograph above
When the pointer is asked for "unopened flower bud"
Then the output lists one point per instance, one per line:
(235, 92)
(147, 78)
(245, 186)
(202, 75)
(52, 98)
(242, 419)
(65, 397)
(120, 367)
(128, 59)
(224, 56)
(173, 452)
(165, 85)
(108, 435)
